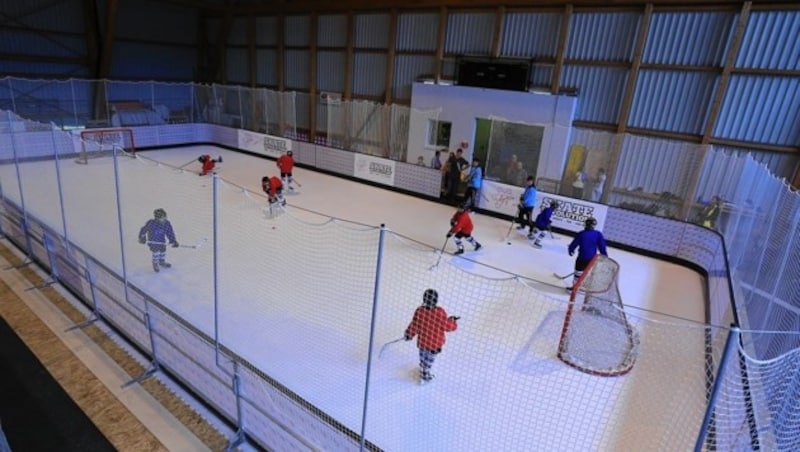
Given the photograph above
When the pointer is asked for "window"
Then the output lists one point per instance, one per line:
(439, 134)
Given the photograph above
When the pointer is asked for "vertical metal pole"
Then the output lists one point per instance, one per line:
(238, 437)
(730, 346)
(28, 248)
(215, 260)
(74, 104)
(375, 292)
(11, 94)
(60, 191)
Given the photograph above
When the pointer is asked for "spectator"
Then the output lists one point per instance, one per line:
(421, 161)
(578, 184)
(436, 162)
(710, 213)
(518, 176)
(598, 184)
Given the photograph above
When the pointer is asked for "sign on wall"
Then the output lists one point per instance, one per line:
(259, 143)
(374, 169)
(570, 215)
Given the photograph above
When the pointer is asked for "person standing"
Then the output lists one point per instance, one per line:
(598, 184)
(156, 233)
(542, 223)
(588, 243)
(286, 165)
(527, 201)
(709, 215)
(461, 228)
(429, 325)
(578, 184)
(474, 183)
(436, 161)
(455, 165)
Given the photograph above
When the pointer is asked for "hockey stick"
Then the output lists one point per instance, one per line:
(187, 163)
(563, 277)
(195, 246)
(508, 233)
(386, 345)
(296, 182)
(441, 251)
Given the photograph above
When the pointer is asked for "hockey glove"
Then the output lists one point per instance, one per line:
(407, 337)
(175, 244)
(571, 253)
(142, 240)
(454, 317)
(449, 234)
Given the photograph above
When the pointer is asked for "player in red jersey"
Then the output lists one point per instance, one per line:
(461, 227)
(208, 163)
(273, 187)
(286, 165)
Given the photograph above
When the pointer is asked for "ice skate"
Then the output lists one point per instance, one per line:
(425, 377)
(537, 244)
(520, 227)
(155, 267)
(478, 246)
(165, 264)
(460, 251)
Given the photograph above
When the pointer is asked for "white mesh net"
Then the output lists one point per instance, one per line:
(102, 142)
(596, 336)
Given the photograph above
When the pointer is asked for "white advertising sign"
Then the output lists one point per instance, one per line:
(261, 144)
(374, 169)
(570, 215)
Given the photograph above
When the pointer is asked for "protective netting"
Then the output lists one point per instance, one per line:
(597, 337)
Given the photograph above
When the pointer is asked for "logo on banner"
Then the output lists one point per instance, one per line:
(275, 144)
(572, 212)
(502, 197)
(374, 169)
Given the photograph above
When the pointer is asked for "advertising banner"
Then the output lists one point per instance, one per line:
(261, 144)
(570, 215)
(374, 169)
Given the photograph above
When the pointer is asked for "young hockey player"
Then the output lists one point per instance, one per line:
(156, 233)
(429, 324)
(208, 163)
(542, 223)
(474, 183)
(588, 242)
(273, 187)
(527, 201)
(286, 164)
(461, 227)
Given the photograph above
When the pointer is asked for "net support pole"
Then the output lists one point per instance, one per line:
(375, 292)
(730, 345)
(24, 225)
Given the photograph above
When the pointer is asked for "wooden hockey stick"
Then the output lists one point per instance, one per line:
(563, 277)
(197, 245)
(187, 163)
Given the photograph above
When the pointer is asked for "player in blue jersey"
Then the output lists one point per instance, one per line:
(588, 243)
(527, 201)
(542, 223)
(156, 233)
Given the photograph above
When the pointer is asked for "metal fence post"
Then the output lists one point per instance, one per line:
(730, 347)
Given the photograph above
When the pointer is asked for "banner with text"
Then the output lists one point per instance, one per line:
(374, 169)
(570, 215)
(261, 144)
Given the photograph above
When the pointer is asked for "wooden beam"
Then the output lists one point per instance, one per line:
(724, 79)
(497, 38)
(440, 37)
(566, 18)
(390, 55)
(281, 54)
(627, 99)
(348, 57)
(108, 39)
(25, 58)
(312, 77)
(92, 36)
(252, 56)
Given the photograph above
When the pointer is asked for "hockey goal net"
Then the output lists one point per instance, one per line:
(596, 337)
(102, 142)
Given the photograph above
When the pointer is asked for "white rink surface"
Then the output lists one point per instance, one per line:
(295, 302)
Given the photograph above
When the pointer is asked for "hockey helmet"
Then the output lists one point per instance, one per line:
(289, 153)
(430, 298)
(590, 223)
(160, 213)
(265, 179)
(554, 204)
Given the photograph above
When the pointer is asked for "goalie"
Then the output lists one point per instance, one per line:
(208, 163)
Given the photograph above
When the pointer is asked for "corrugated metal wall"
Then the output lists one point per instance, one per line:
(469, 33)
(600, 90)
(772, 41)
(330, 73)
(417, 31)
(688, 38)
(296, 64)
(672, 101)
(370, 31)
(603, 36)
(407, 70)
(332, 30)
(531, 35)
(297, 31)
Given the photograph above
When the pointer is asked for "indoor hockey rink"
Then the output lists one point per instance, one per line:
(294, 295)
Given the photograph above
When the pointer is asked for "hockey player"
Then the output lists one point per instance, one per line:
(286, 164)
(542, 223)
(429, 324)
(588, 242)
(273, 187)
(208, 163)
(461, 227)
(527, 201)
(156, 233)
(474, 182)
